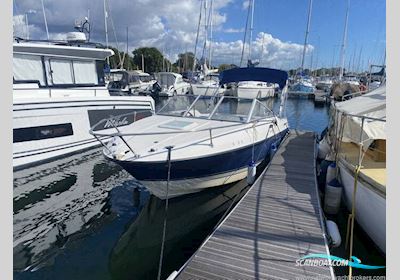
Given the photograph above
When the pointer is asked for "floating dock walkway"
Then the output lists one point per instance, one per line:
(278, 221)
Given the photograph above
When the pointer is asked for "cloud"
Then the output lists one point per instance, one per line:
(270, 51)
(245, 4)
(169, 25)
(233, 30)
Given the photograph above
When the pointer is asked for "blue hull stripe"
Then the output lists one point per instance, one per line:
(200, 167)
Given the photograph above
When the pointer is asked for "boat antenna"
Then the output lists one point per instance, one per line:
(45, 21)
(306, 36)
(344, 42)
(83, 26)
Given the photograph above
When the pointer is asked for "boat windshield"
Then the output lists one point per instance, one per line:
(176, 105)
(116, 76)
(225, 108)
(145, 79)
(165, 79)
(233, 109)
(212, 77)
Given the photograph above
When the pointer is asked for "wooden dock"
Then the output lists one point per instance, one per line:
(277, 222)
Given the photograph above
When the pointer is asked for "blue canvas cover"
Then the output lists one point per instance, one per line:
(259, 74)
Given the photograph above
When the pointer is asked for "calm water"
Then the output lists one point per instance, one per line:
(83, 217)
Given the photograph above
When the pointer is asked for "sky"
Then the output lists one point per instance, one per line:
(171, 25)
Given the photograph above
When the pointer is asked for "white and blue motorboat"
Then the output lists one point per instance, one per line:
(212, 140)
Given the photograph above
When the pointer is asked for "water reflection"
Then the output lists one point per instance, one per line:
(83, 217)
(55, 200)
(190, 218)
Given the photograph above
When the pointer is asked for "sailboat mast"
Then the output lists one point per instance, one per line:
(45, 22)
(105, 26)
(197, 37)
(344, 43)
(306, 37)
(211, 34)
(251, 27)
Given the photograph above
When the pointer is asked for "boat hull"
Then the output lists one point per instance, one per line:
(255, 92)
(206, 90)
(32, 119)
(193, 175)
(370, 206)
(300, 88)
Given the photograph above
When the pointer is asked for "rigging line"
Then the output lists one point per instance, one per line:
(160, 263)
(245, 35)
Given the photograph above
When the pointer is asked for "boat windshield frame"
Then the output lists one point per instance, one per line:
(246, 119)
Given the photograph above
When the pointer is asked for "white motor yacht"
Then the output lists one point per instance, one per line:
(59, 92)
(171, 84)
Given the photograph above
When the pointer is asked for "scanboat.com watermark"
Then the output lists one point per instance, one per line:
(326, 260)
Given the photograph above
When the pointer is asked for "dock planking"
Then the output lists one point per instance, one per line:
(277, 222)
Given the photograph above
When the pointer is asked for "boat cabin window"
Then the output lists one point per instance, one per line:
(60, 72)
(42, 132)
(67, 72)
(28, 68)
(85, 72)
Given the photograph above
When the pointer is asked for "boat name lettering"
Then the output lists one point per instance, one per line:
(116, 122)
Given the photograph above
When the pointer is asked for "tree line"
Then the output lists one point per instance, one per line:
(151, 60)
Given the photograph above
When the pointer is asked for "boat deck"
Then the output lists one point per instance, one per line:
(277, 222)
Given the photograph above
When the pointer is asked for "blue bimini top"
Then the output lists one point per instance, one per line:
(258, 74)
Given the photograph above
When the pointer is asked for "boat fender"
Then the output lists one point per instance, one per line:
(330, 173)
(251, 173)
(323, 148)
(333, 194)
(173, 275)
(330, 156)
(323, 168)
(113, 147)
(334, 234)
(274, 148)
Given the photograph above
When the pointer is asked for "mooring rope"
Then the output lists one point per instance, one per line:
(350, 221)
(169, 148)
